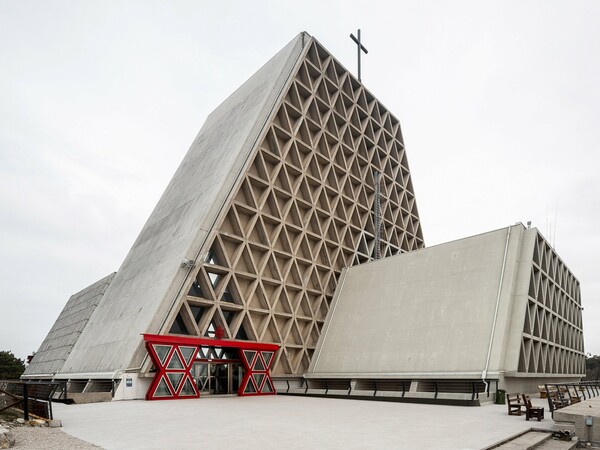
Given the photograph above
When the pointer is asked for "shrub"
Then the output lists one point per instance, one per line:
(11, 367)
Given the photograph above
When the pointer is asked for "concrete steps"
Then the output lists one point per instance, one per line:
(537, 440)
(555, 444)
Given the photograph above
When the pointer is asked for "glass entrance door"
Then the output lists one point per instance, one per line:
(218, 378)
(202, 377)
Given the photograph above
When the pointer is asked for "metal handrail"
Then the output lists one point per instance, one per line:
(21, 394)
(560, 395)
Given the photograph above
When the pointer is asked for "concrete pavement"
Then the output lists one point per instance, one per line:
(289, 422)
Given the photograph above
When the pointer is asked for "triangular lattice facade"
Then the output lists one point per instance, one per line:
(300, 211)
(552, 339)
(274, 197)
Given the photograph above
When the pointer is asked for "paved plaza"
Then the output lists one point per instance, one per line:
(275, 422)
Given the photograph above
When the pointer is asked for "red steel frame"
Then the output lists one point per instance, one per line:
(254, 357)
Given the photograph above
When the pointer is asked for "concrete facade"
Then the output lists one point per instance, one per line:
(301, 212)
(151, 277)
(464, 310)
(273, 199)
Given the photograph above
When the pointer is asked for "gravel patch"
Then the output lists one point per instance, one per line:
(48, 439)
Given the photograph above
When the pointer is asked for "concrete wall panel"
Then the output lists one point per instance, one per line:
(150, 278)
(424, 312)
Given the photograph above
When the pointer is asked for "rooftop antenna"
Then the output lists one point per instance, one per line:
(360, 47)
(555, 219)
(547, 222)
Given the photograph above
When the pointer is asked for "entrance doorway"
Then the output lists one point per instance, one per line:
(188, 367)
(218, 377)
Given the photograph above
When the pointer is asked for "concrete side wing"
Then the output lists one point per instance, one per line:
(65, 332)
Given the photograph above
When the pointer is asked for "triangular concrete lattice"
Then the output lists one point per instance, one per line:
(275, 196)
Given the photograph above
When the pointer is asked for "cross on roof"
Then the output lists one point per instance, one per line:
(360, 47)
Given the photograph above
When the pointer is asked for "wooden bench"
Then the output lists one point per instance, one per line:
(532, 412)
(570, 394)
(575, 398)
(544, 393)
(558, 400)
(515, 404)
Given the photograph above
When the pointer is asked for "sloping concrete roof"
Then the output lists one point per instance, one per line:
(427, 313)
(65, 332)
(149, 280)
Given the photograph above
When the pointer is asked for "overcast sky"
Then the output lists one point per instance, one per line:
(499, 103)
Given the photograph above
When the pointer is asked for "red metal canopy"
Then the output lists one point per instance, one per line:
(174, 356)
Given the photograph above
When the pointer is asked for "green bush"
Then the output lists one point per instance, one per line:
(11, 367)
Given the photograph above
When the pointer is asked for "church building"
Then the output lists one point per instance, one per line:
(287, 254)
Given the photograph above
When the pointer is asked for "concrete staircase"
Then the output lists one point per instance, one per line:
(532, 439)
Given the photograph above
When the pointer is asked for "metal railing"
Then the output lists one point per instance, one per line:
(561, 395)
(31, 397)
(378, 387)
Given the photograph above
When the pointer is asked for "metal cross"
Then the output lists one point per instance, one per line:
(360, 47)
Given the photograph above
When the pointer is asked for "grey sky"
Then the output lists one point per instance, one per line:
(99, 101)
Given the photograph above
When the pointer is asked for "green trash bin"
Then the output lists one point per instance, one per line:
(500, 397)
